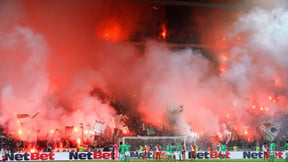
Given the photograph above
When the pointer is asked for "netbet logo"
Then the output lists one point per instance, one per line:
(31, 156)
(259, 155)
(89, 155)
(209, 155)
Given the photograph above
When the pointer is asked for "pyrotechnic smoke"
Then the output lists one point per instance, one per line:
(254, 68)
(56, 62)
(26, 86)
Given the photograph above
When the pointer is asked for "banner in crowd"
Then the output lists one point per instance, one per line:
(43, 156)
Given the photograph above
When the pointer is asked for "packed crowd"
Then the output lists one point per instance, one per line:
(105, 144)
(136, 128)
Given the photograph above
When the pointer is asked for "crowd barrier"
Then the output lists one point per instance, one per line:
(43, 156)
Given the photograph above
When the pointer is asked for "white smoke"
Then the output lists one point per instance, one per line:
(267, 34)
(23, 87)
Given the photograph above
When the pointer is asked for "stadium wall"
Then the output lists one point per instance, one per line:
(43, 156)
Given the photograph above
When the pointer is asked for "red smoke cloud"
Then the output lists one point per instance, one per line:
(67, 60)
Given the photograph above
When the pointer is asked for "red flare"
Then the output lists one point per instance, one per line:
(33, 150)
(246, 132)
(107, 36)
(20, 132)
(79, 141)
(124, 131)
(277, 82)
(163, 34)
(222, 69)
(76, 129)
